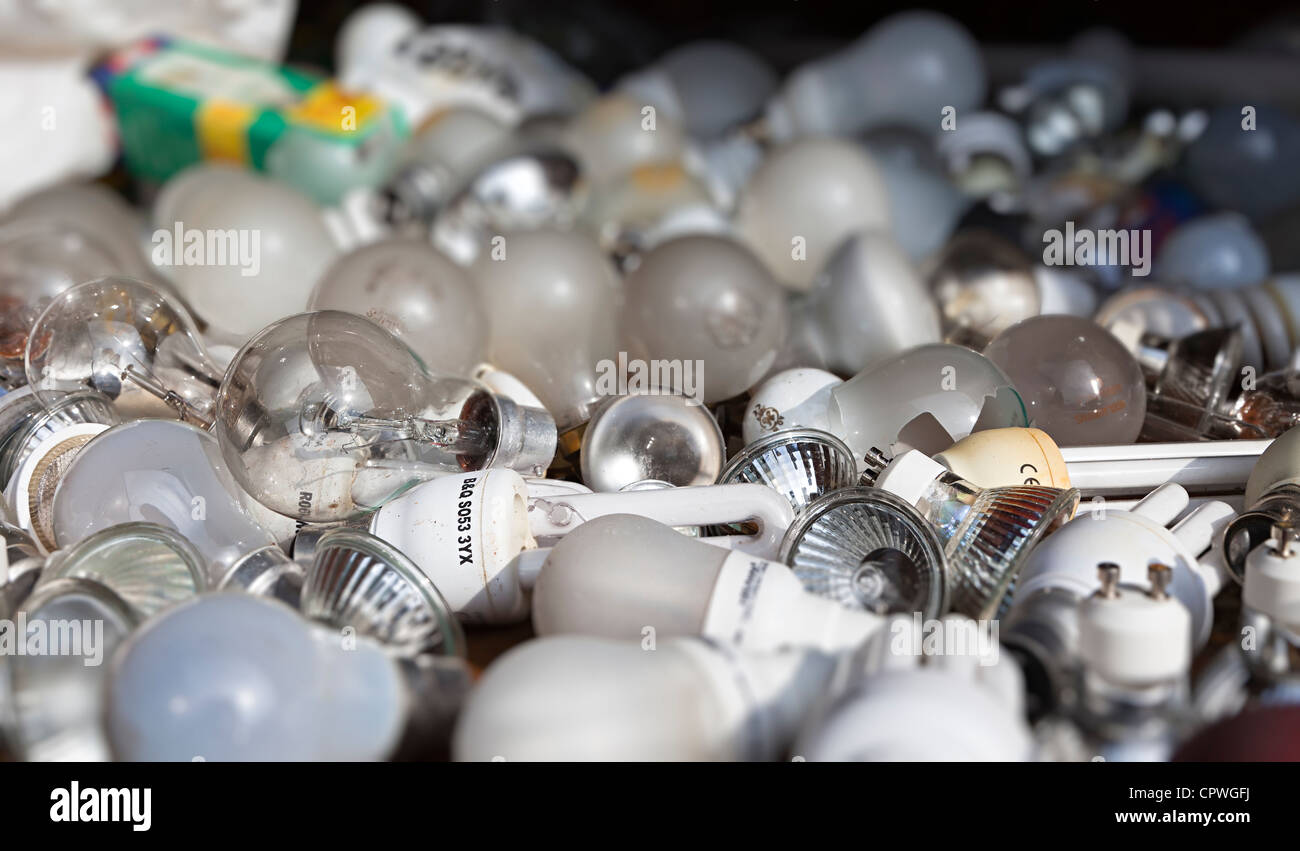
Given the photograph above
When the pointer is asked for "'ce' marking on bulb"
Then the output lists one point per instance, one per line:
(1030, 480)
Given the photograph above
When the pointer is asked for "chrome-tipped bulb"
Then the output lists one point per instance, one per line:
(360, 582)
(868, 549)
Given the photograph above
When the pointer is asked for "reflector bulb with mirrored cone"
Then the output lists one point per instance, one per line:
(280, 249)
(867, 549)
(149, 566)
(585, 698)
(172, 474)
(708, 303)
(1079, 383)
(58, 698)
(804, 200)
(129, 342)
(987, 532)
(416, 293)
(800, 464)
(615, 575)
(869, 304)
(927, 398)
(359, 582)
(552, 300)
(324, 416)
(904, 70)
(617, 132)
(230, 676)
(661, 437)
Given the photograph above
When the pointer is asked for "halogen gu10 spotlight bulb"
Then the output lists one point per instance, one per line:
(128, 341)
(325, 416)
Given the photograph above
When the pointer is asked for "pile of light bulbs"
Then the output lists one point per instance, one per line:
(738, 397)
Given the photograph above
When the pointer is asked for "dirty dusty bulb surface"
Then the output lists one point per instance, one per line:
(129, 342)
(325, 416)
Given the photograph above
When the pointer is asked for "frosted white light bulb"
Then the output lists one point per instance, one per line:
(616, 575)
(618, 132)
(552, 299)
(868, 304)
(95, 210)
(793, 398)
(325, 416)
(242, 250)
(1219, 250)
(172, 474)
(230, 676)
(371, 32)
(584, 698)
(805, 199)
(709, 303)
(708, 86)
(125, 340)
(904, 70)
(417, 294)
(927, 398)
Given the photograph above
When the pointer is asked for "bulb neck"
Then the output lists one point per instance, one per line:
(526, 438)
(267, 572)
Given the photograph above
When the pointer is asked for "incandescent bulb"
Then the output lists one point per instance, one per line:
(129, 342)
(1247, 171)
(613, 575)
(325, 416)
(1215, 251)
(97, 211)
(641, 437)
(38, 260)
(707, 86)
(984, 285)
(1079, 383)
(793, 398)
(618, 132)
(581, 698)
(904, 70)
(928, 398)
(709, 303)
(242, 250)
(171, 474)
(552, 300)
(868, 304)
(804, 200)
(234, 677)
(417, 294)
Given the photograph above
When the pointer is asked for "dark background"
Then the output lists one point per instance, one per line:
(606, 38)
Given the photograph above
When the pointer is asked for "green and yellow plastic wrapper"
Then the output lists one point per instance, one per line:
(178, 103)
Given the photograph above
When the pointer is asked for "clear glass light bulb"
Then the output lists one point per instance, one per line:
(552, 300)
(615, 133)
(1215, 251)
(1079, 383)
(417, 294)
(244, 250)
(904, 70)
(706, 300)
(708, 86)
(804, 200)
(581, 698)
(928, 397)
(128, 341)
(984, 285)
(615, 574)
(171, 474)
(38, 260)
(325, 416)
(233, 677)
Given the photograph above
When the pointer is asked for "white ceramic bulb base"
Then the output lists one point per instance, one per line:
(1272, 585)
(1134, 640)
